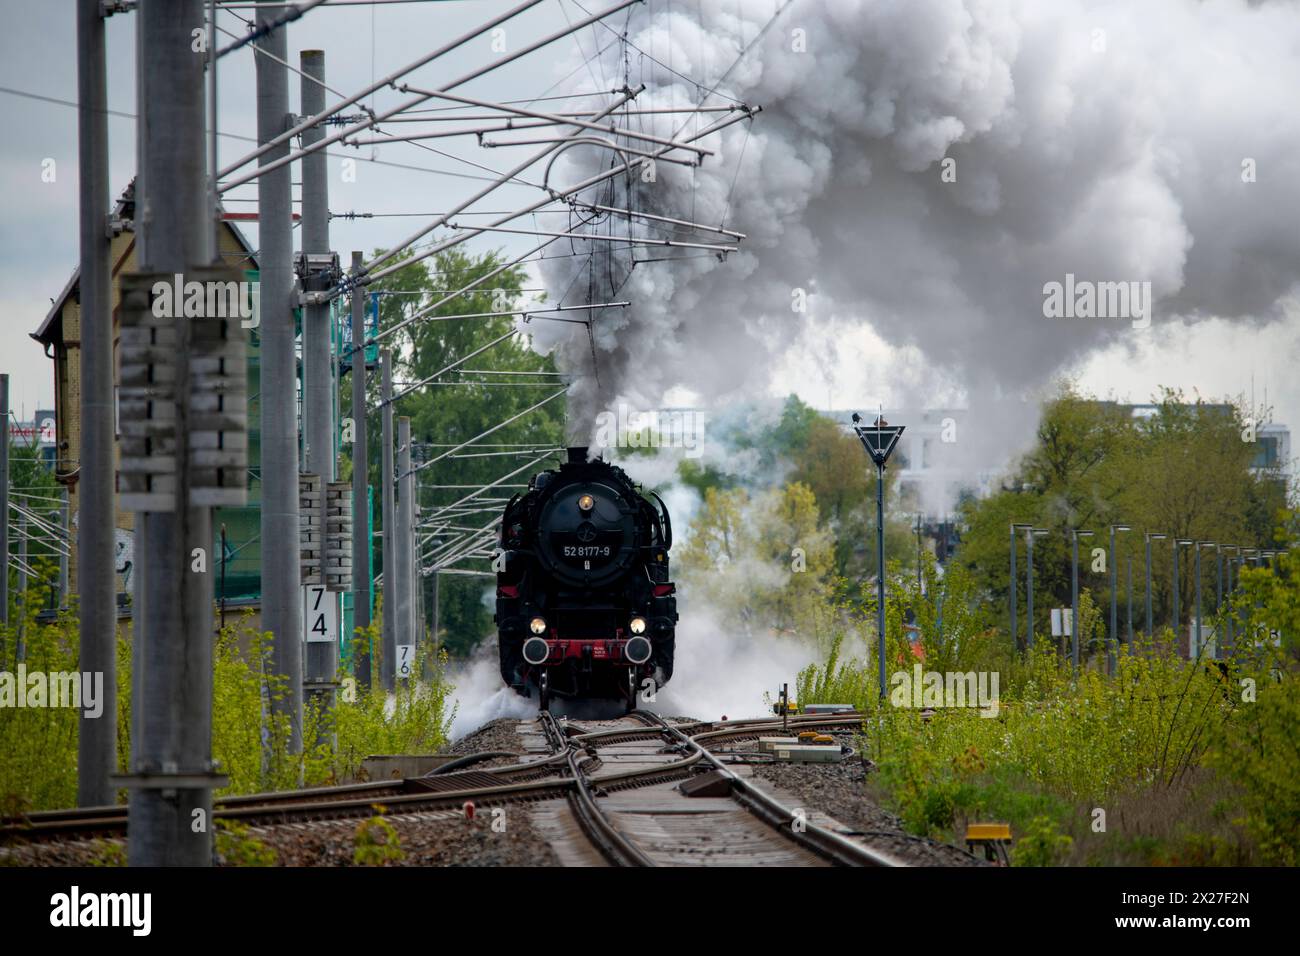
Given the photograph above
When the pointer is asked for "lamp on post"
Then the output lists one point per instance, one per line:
(1128, 605)
(1196, 561)
(1075, 535)
(1150, 536)
(920, 584)
(879, 439)
(1177, 623)
(1015, 624)
(1113, 637)
(1228, 636)
(1218, 602)
(1030, 534)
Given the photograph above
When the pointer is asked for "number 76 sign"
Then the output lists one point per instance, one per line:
(320, 615)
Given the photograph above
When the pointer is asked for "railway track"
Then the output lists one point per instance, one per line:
(580, 768)
(667, 829)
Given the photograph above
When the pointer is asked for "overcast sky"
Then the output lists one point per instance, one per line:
(853, 364)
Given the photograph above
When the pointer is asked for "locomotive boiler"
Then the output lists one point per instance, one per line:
(585, 603)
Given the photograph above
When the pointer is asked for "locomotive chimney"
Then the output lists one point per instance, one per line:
(578, 455)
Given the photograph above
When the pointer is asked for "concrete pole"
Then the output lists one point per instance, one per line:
(1175, 609)
(360, 481)
(281, 575)
(415, 591)
(317, 398)
(20, 607)
(1218, 589)
(880, 573)
(321, 661)
(65, 516)
(1029, 589)
(172, 631)
(387, 671)
(1129, 591)
(1196, 564)
(4, 497)
(1074, 600)
(97, 737)
(402, 559)
(434, 612)
(1113, 637)
(1015, 627)
(1150, 633)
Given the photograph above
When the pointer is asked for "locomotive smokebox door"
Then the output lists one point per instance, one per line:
(588, 535)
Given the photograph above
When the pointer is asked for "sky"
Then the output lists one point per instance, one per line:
(913, 290)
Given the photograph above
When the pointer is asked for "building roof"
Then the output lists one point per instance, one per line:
(124, 210)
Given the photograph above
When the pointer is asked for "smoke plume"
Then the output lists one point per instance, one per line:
(1154, 142)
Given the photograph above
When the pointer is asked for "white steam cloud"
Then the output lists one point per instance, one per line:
(1104, 140)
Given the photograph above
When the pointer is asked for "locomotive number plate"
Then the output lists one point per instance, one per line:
(590, 551)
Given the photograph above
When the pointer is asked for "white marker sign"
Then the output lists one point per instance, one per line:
(320, 615)
(405, 656)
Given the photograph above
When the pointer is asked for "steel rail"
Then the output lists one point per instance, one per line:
(823, 842)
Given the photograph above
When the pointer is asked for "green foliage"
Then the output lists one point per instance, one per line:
(1184, 471)
(376, 842)
(763, 562)
(464, 404)
(1041, 844)
(38, 745)
(235, 847)
(32, 486)
(1261, 752)
(416, 718)
(250, 743)
(704, 477)
(108, 853)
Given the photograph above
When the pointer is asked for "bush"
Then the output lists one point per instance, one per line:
(1040, 844)
(234, 846)
(1261, 752)
(250, 743)
(376, 842)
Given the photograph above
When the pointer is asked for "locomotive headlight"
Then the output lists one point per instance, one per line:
(537, 625)
(586, 503)
(637, 625)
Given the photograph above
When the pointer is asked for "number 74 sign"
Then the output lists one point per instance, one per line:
(320, 615)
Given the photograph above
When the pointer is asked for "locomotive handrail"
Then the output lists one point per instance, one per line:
(667, 523)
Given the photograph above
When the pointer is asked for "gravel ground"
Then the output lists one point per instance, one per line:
(436, 838)
(446, 838)
(499, 734)
(838, 789)
(442, 838)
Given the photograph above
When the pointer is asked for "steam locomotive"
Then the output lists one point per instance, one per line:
(585, 606)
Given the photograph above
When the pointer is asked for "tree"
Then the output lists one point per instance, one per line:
(1183, 471)
(764, 561)
(458, 405)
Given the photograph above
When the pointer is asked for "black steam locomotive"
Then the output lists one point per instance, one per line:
(585, 606)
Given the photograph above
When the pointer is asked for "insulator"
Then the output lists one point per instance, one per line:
(311, 526)
(148, 349)
(338, 536)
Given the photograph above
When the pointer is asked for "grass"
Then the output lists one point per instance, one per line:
(38, 746)
(1168, 762)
